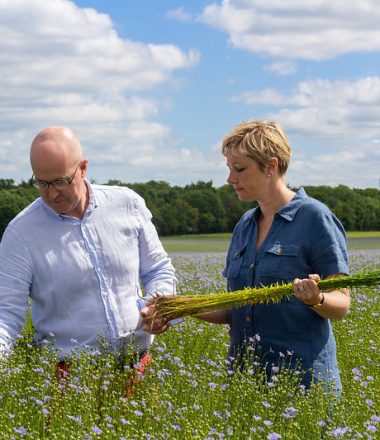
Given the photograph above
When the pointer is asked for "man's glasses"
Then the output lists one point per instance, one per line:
(58, 184)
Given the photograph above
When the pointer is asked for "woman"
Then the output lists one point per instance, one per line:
(289, 237)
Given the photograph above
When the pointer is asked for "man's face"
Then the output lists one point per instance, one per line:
(65, 187)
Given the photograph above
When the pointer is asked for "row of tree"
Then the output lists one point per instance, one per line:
(202, 208)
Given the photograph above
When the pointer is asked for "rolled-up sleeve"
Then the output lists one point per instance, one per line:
(329, 253)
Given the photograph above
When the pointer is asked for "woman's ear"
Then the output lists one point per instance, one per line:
(272, 167)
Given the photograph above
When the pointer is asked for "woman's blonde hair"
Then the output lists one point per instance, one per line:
(260, 140)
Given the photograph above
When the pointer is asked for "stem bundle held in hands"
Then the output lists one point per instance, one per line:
(190, 305)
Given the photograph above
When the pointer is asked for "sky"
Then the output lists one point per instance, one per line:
(151, 87)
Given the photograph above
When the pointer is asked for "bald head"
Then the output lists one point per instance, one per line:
(55, 148)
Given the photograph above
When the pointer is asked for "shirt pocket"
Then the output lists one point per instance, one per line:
(234, 263)
(281, 261)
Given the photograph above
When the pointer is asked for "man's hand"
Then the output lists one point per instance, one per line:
(151, 323)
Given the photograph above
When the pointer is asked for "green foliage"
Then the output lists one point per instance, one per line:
(12, 201)
(7, 183)
(358, 209)
(212, 213)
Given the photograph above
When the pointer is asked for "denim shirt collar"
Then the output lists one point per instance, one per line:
(288, 212)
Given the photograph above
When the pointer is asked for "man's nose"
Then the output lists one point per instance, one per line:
(52, 192)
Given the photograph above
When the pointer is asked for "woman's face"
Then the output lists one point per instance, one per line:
(245, 176)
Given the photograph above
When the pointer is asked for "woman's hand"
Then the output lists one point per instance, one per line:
(332, 304)
(307, 290)
(151, 323)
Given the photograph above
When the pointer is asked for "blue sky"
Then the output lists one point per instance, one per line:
(151, 87)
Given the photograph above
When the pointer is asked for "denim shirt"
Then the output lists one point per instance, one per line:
(305, 238)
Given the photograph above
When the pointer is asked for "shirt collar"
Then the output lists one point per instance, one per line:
(91, 197)
(289, 211)
(91, 203)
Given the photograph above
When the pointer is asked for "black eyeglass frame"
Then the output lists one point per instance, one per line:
(43, 185)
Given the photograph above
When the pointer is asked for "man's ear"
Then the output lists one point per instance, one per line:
(83, 167)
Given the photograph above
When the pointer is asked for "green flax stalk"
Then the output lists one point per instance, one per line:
(190, 305)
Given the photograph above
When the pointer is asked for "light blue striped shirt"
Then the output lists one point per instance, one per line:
(84, 277)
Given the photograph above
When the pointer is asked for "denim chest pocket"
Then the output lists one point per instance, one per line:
(281, 260)
(235, 263)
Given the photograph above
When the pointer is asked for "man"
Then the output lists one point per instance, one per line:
(80, 252)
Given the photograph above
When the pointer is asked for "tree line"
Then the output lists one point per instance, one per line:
(201, 208)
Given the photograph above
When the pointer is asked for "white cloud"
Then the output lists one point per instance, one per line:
(357, 163)
(335, 109)
(324, 108)
(282, 68)
(298, 29)
(180, 166)
(179, 14)
(268, 96)
(333, 127)
(61, 64)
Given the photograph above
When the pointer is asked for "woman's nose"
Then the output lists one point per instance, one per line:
(231, 178)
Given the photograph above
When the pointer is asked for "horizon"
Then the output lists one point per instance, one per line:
(93, 181)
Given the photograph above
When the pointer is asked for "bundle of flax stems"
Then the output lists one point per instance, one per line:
(173, 307)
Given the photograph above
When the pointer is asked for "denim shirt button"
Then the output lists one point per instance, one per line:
(248, 318)
(252, 265)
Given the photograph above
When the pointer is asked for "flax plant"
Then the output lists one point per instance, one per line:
(190, 305)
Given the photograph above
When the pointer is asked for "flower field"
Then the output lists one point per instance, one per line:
(189, 392)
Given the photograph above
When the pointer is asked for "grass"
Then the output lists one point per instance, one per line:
(197, 243)
(366, 234)
(363, 240)
(188, 392)
(220, 242)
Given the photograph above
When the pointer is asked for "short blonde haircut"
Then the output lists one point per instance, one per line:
(260, 140)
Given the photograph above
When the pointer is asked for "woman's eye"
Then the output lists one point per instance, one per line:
(239, 170)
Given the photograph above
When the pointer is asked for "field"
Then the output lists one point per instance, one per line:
(220, 242)
(188, 392)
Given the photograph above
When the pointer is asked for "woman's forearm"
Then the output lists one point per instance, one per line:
(335, 304)
(218, 317)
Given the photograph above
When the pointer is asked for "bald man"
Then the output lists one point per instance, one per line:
(82, 253)
(56, 151)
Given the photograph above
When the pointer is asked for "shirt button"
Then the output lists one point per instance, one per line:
(236, 253)
(252, 265)
(279, 250)
(248, 318)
